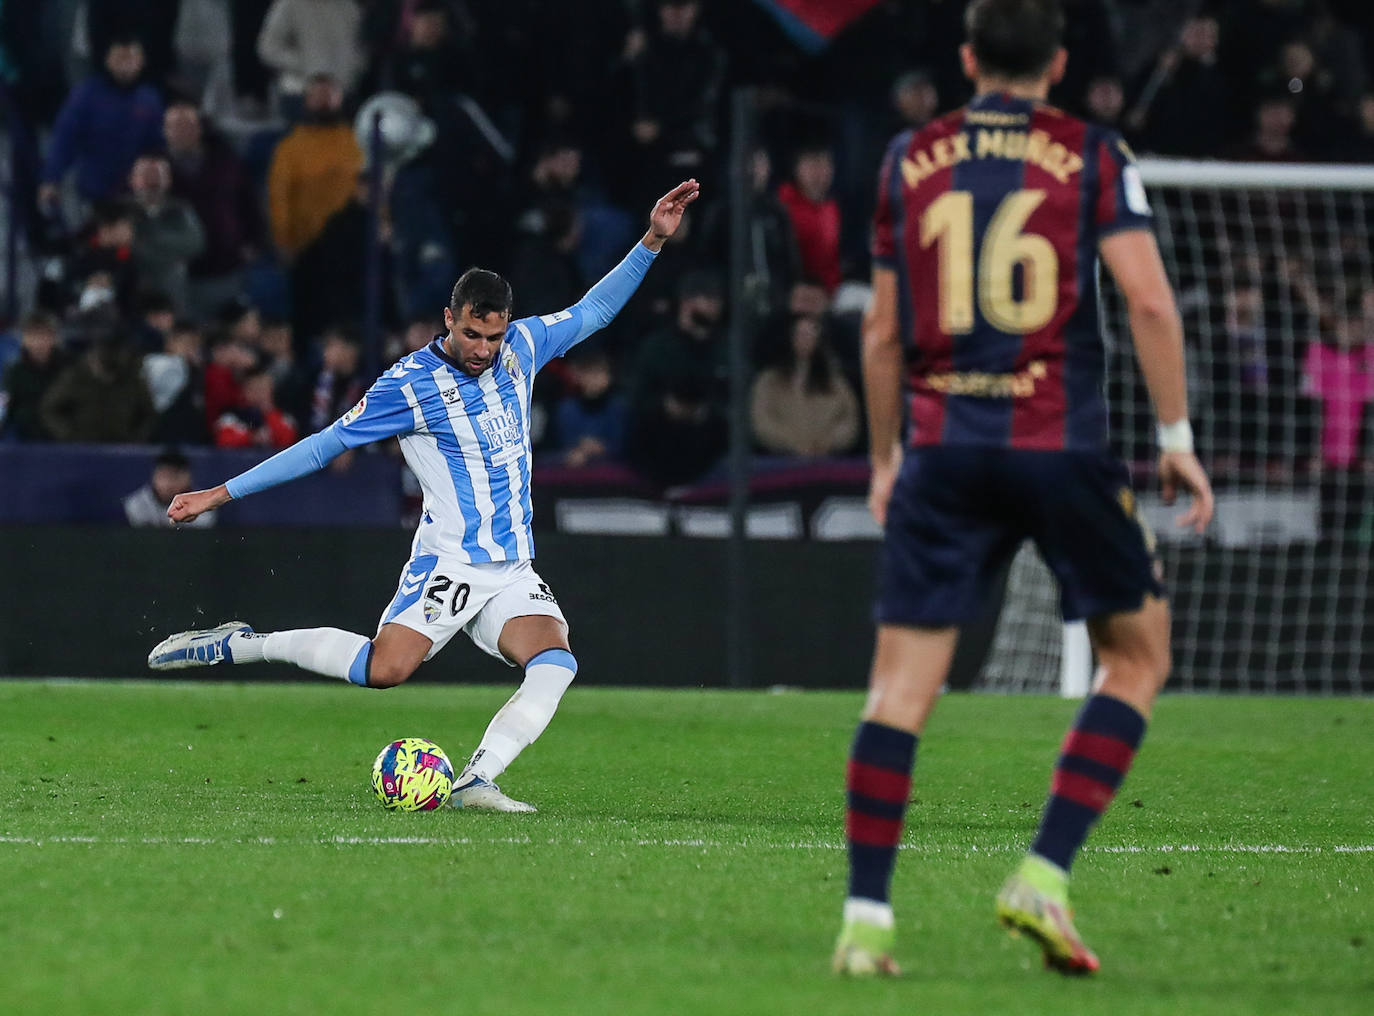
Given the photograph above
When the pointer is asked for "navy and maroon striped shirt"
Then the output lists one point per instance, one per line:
(991, 217)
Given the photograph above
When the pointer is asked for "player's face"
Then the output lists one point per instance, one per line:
(474, 341)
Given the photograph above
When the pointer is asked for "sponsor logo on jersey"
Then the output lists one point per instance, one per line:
(501, 430)
(355, 412)
(451, 396)
(552, 319)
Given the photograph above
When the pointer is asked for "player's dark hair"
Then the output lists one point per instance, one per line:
(485, 292)
(1015, 39)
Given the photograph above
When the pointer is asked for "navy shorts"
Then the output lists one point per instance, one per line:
(959, 513)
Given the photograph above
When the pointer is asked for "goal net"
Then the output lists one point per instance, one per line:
(1272, 269)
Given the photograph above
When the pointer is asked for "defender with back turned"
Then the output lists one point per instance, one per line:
(989, 226)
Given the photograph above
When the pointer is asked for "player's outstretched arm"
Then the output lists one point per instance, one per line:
(305, 456)
(882, 376)
(1132, 257)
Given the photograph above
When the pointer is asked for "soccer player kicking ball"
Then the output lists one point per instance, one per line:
(989, 225)
(461, 409)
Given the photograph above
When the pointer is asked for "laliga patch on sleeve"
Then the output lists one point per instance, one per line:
(552, 319)
(1136, 200)
(355, 412)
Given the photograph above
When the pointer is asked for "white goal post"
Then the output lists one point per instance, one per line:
(1273, 268)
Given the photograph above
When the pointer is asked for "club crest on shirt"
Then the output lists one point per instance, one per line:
(355, 412)
(511, 363)
(433, 611)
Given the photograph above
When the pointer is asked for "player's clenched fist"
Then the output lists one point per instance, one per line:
(186, 507)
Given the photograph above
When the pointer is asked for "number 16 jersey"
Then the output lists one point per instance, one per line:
(991, 218)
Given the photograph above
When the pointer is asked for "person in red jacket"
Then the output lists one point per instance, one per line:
(256, 422)
(815, 214)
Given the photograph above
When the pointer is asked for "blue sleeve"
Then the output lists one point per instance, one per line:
(554, 334)
(383, 412)
(303, 457)
(62, 144)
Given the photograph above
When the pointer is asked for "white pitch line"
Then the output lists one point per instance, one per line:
(457, 841)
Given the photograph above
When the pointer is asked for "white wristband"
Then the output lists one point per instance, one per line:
(1176, 436)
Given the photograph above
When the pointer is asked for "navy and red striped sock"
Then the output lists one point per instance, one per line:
(1094, 759)
(878, 782)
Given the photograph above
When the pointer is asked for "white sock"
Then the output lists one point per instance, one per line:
(874, 912)
(524, 716)
(329, 651)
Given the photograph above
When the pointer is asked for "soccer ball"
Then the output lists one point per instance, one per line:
(412, 774)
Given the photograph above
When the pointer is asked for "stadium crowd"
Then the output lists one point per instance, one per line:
(197, 198)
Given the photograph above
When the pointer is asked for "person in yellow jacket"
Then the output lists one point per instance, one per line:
(314, 169)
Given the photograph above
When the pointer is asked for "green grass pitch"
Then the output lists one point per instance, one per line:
(178, 848)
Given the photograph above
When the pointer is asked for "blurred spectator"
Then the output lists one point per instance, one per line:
(1105, 101)
(106, 122)
(1275, 119)
(677, 80)
(100, 270)
(590, 420)
(544, 272)
(101, 398)
(1182, 106)
(151, 22)
(1359, 147)
(914, 99)
(1319, 128)
(27, 380)
(303, 39)
(329, 279)
(772, 259)
(677, 423)
(804, 405)
(255, 421)
(167, 234)
(678, 436)
(338, 386)
(207, 173)
(230, 361)
(155, 317)
(1339, 370)
(278, 352)
(314, 169)
(1090, 38)
(432, 63)
(552, 181)
(243, 321)
(176, 383)
(815, 214)
(147, 506)
(418, 334)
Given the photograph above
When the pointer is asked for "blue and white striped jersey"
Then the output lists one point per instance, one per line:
(467, 438)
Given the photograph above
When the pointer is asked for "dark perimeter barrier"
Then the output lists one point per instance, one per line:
(93, 600)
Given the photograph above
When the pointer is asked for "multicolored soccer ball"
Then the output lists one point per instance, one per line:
(412, 774)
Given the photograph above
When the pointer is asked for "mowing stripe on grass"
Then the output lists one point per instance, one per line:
(457, 841)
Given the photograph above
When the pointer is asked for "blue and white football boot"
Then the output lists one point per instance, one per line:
(478, 794)
(203, 648)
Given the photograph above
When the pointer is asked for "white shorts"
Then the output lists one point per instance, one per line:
(438, 597)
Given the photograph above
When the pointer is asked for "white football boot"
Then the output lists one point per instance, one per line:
(203, 648)
(483, 795)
